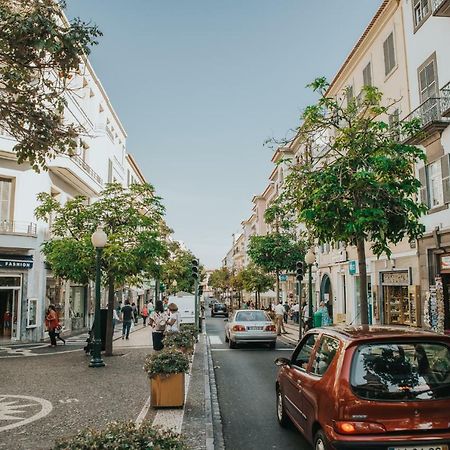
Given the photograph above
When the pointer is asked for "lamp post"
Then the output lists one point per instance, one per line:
(310, 259)
(98, 240)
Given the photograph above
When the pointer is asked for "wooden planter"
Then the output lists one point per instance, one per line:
(167, 391)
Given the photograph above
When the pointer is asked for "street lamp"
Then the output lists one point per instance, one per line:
(98, 240)
(310, 259)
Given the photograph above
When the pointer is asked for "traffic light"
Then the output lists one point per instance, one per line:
(200, 290)
(195, 269)
(299, 271)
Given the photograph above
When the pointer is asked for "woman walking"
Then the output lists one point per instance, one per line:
(173, 324)
(51, 323)
(158, 322)
(144, 314)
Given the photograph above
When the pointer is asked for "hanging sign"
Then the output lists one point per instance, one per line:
(352, 267)
(15, 264)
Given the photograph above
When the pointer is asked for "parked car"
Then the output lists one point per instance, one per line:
(219, 309)
(250, 325)
(368, 388)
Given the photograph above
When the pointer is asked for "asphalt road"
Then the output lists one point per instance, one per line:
(245, 380)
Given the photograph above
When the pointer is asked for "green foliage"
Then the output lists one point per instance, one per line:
(220, 279)
(255, 279)
(276, 252)
(166, 362)
(123, 436)
(183, 339)
(40, 56)
(363, 187)
(190, 328)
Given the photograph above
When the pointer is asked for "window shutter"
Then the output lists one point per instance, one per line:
(386, 57)
(423, 188)
(445, 177)
(367, 75)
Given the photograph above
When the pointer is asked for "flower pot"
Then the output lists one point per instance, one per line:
(167, 391)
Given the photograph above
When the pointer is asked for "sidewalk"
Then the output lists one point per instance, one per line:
(292, 333)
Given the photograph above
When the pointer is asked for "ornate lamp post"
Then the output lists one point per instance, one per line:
(310, 259)
(98, 240)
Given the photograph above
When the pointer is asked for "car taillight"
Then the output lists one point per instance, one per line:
(270, 328)
(239, 328)
(351, 427)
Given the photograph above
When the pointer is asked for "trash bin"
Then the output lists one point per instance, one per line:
(317, 319)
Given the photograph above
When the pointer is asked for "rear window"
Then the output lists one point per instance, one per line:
(401, 371)
(251, 316)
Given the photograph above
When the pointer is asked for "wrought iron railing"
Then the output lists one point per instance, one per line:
(87, 168)
(437, 4)
(428, 112)
(445, 99)
(14, 227)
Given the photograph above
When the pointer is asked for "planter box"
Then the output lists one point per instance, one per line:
(167, 391)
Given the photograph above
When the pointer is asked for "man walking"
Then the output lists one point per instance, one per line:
(127, 318)
(279, 316)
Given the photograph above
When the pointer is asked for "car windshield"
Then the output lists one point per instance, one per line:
(219, 305)
(401, 371)
(251, 316)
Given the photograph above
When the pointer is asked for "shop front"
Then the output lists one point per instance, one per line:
(400, 299)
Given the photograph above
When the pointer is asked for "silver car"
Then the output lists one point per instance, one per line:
(250, 325)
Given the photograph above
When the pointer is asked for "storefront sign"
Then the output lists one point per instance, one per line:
(352, 267)
(397, 278)
(445, 262)
(15, 264)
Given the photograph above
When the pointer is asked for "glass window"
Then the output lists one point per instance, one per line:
(427, 81)
(421, 10)
(5, 199)
(389, 54)
(367, 75)
(302, 355)
(32, 312)
(436, 195)
(252, 316)
(324, 355)
(407, 371)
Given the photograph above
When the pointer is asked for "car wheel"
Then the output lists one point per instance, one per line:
(231, 343)
(282, 417)
(320, 441)
(226, 338)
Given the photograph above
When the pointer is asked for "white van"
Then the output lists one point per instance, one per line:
(186, 307)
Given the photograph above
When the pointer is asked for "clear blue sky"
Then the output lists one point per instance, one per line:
(200, 84)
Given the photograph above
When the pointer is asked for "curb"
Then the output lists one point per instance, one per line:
(214, 429)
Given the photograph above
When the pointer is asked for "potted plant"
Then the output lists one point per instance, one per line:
(190, 328)
(182, 340)
(166, 370)
(123, 435)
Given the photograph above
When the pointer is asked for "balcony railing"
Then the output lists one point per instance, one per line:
(432, 120)
(441, 8)
(20, 228)
(445, 100)
(87, 168)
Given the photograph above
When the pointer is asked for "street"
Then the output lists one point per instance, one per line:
(245, 380)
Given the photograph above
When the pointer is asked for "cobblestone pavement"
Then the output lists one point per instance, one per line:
(43, 398)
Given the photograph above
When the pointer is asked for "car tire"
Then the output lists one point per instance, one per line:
(226, 338)
(232, 344)
(320, 441)
(282, 417)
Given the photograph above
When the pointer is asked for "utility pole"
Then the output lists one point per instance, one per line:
(195, 276)
(299, 278)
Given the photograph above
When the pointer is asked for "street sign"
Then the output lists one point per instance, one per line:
(283, 277)
(352, 267)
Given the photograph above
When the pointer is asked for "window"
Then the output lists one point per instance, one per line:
(32, 312)
(421, 11)
(324, 355)
(427, 79)
(252, 316)
(110, 171)
(349, 93)
(389, 54)
(5, 200)
(407, 371)
(434, 174)
(367, 75)
(303, 353)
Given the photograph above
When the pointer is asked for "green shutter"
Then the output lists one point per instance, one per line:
(445, 177)
(423, 189)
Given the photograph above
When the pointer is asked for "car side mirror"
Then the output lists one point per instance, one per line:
(282, 362)
(225, 320)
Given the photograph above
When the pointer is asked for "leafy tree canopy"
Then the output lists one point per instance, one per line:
(220, 279)
(40, 54)
(254, 279)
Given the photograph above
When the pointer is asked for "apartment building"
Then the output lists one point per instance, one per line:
(27, 284)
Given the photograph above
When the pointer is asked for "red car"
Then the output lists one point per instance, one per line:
(368, 387)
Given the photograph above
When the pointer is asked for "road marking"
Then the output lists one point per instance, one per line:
(215, 340)
(69, 400)
(11, 405)
(143, 413)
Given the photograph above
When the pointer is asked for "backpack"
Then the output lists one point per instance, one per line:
(160, 322)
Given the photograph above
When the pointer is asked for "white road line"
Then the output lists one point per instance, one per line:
(215, 340)
(143, 413)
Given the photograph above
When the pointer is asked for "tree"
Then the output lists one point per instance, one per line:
(275, 253)
(254, 279)
(236, 284)
(361, 187)
(132, 219)
(40, 56)
(219, 280)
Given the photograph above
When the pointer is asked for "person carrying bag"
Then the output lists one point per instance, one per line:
(158, 322)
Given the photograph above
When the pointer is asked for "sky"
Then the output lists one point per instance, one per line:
(199, 85)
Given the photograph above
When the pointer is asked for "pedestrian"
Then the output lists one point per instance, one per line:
(119, 307)
(173, 323)
(279, 316)
(296, 312)
(51, 323)
(58, 330)
(144, 314)
(158, 322)
(135, 312)
(127, 318)
(306, 320)
(286, 312)
(115, 319)
(321, 317)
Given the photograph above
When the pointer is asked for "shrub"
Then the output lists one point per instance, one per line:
(190, 328)
(166, 362)
(121, 436)
(179, 339)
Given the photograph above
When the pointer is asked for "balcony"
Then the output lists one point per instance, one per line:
(430, 113)
(78, 173)
(441, 8)
(445, 96)
(18, 228)
(18, 235)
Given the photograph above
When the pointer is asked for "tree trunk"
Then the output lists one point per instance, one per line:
(364, 312)
(277, 288)
(109, 328)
